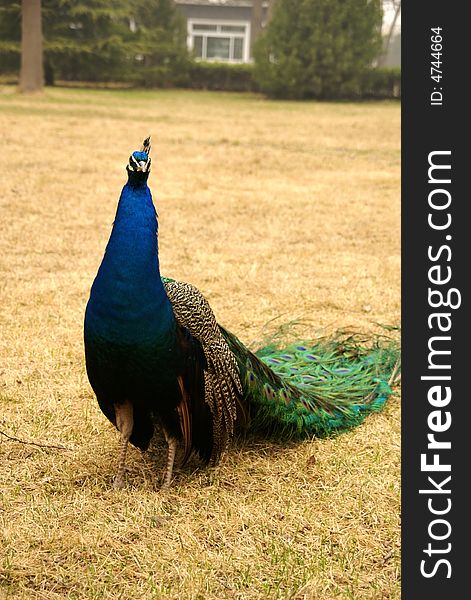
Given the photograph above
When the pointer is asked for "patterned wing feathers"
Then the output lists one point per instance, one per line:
(222, 385)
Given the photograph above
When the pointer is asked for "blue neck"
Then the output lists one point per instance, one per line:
(128, 300)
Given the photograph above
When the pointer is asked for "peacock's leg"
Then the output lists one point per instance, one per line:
(172, 449)
(124, 423)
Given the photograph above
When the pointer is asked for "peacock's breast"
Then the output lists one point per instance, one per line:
(132, 368)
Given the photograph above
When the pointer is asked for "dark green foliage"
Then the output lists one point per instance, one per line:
(382, 82)
(143, 43)
(10, 24)
(10, 35)
(161, 44)
(318, 48)
(222, 76)
(86, 39)
(103, 40)
(375, 82)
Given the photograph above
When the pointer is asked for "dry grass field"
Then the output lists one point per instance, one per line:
(278, 212)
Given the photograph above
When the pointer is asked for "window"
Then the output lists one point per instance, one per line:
(211, 40)
(218, 47)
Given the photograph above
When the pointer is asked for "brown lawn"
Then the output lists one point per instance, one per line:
(278, 212)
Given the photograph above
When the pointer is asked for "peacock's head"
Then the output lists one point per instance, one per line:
(138, 167)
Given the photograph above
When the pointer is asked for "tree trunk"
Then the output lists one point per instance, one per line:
(271, 4)
(31, 76)
(387, 42)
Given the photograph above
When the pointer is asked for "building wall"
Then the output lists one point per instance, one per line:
(223, 13)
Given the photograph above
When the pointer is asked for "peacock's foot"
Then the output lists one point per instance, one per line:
(118, 483)
(172, 449)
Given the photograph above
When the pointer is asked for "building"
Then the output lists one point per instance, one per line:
(223, 30)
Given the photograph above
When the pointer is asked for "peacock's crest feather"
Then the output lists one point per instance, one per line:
(140, 160)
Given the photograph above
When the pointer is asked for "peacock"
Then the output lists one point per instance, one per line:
(156, 356)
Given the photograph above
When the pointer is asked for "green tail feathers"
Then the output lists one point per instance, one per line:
(316, 388)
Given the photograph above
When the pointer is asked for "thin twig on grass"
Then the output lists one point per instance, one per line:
(15, 439)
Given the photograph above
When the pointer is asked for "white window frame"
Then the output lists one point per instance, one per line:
(223, 34)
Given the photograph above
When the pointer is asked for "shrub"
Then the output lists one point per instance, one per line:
(103, 40)
(221, 76)
(382, 82)
(318, 48)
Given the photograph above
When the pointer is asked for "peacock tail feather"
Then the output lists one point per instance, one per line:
(316, 388)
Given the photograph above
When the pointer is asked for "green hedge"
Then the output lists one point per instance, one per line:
(9, 61)
(221, 76)
(382, 82)
(377, 83)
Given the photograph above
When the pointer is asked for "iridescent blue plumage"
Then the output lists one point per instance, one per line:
(139, 360)
(140, 155)
(128, 301)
